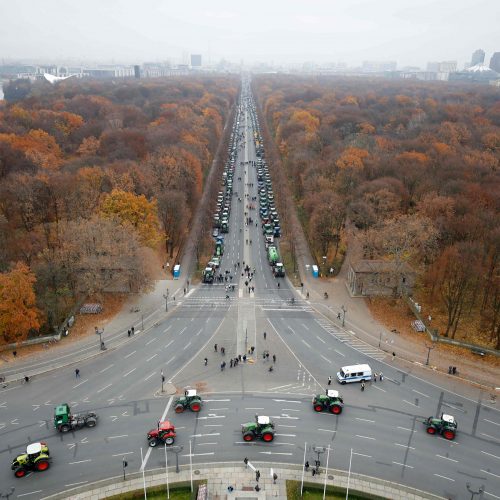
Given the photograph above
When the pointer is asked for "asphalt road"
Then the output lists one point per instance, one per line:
(382, 425)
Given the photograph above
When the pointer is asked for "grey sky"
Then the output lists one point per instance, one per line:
(410, 32)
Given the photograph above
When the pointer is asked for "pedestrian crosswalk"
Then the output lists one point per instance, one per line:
(350, 339)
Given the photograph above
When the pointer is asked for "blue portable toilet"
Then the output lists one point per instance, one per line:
(177, 271)
(315, 271)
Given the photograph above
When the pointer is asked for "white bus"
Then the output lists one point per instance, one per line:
(354, 373)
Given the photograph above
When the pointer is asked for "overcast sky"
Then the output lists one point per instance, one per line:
(279, 31)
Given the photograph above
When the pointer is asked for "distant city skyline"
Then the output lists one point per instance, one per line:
(412, 33)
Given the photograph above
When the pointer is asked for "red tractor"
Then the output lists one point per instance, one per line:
(163, 434)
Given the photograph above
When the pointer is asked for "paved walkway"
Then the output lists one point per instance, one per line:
(230, 474)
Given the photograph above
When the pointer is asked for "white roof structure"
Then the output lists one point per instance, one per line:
(54, 79)
(479, 68)
(448, 418)
(34, 448)
(331, 393)
(191, 392)
(261, 420)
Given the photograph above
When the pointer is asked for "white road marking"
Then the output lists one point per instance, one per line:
(128, 355)
(306, 343)
(170, 360)
(326, 359)
(217, 409)
(490, 473)
(201, 329)
(166, 345)
(286, 401)
(491, 421)
(167, 329)
(204, 435)
(282, 425)
(205, 444)
(153, 356)
(413, 404)
(494, 456)
(149, 376)
(104, 388)
(152, 340)
(82, 382)
(30, 493)
(130, 371)
(289, 409)
(75, 484)
(490, 437)
(406, 429)
(186, 346)
(274, 453)
(210, 417)
(364, 437)
(80, 461)
(254, 408)
(326, 430)
(365, 420)
(305, 327)
(421, 393)
(404, 446)
(444, 477)
(446, 458)
(375, 386)
(361, 454)
(404, 465)
(107, 368)
(486, 493)
(35, 407)
(183, 330)
(47, 403)
(210, 425)
(286, 435)
(198, 454)
(453, 407)
(338, 352)
(320, 339)
(215, 400)
(290, 328)
(121, 454)
(117, 437)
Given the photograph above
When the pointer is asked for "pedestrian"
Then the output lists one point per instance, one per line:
(265, 335)
(77, 373)
(215, 347)
(223, 350)
(362, 385)
(338, 315)
(14, 353)
(221, 366)
(274, 358)
(184, 291)
(230, 489)
(26, 379)
(206, 361)
(306, 465)
(393, 355)
(275, 476)
(307, 295)
(330, 380)
(239, 357)
(129, 332)
(244, 358)
(375, 376)
(132, 330)
(252, 349)
(381, 377)
(231, 363)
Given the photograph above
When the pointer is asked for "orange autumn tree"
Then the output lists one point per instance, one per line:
(18, 312)
(135, 212)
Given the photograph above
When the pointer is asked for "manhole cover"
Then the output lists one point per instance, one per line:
(196, 472)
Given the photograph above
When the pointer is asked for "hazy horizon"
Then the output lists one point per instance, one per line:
(281, 32)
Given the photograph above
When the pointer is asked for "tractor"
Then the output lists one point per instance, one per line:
(164, 433)
(36, 458)
(446, 426)
(208, 275)
(65, 421)
(190, 400)
(279, 270)
(331, 401)
(262, 428)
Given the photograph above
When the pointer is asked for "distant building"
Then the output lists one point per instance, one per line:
(378, 66)
(480, 73)
(477, 57)
(380, 277)
(495, 62)
(196, 60)
(137, 71)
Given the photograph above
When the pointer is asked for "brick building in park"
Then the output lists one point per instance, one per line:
(380, 277)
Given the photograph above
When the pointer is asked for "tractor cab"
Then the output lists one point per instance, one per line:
(449, 420)
(331, 393)
(190, 401)
(62, 415)
(33, 450)
(261, 420)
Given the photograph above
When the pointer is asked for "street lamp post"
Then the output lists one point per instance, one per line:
(344, 310)
(379, 340)
(162, 381)
(429, 349)
(165, 296)
(176, 449)
(100, 332)
(166, 471)
(326, 471)
(473, 493)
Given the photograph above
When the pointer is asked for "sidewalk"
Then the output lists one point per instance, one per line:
(220, 476)
(142, 312)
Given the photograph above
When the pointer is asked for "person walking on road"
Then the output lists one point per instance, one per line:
(129, 332)
(274, 358)
(132, 330)
(206, 361)
(77, 373)
(330, 380)
(362, 385)
(265, 335)
(231, 363)
(381, 376)
(215, 347)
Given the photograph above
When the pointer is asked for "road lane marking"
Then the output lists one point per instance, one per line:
(338, 352)
(75, 484)
(286, 401)
(129, 372)
(30, 493)
(216, 400)
(153, 356)
(80, 461)
(282, 425)
(365, 420)
(494, 456)
(122, 454)
(166, 345)
(205, 444)
(326, 359)
(186, 346)
(404, 465)
(413, 404)
(254, 408)
(128, 355)
(406, 429)
(375, 386)
(170, 360)
(210, 417)
(104, 388)
(490, 437)
(320, 339)
(453, 407)
(446, 458)
(306, 343)
(326, 430)
(107, 368)
(364, 437)
(167, 329)
(82, 382)
(421, 393)
(217, 409)
(491, 421)
(197, 454)
(204, 435)
(117, 437)
(361, 454)
(213, 425)
(444, 477)
(152, 340)
(286, 435)
(486, 493)
(183, 330)
(289, 409)
(201, 329)
(274, 453)
(490, 473)
(149, 376)
(404, 446)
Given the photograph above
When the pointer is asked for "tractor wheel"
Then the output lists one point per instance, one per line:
(169, 441)
(318, 408)
(179, 408)
(153, 442)
(248, 436)
(65, 428)
(336, 409)
(42, 465)
(268, 436)
(431, 430)
(20, 472)
(449, 435)
(195, 406)
(91, 422)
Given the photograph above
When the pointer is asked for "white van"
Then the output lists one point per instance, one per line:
(354, 373)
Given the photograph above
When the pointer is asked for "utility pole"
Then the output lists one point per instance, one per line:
(162, 381)
(473, 493)
(429, 349)
(100, 332)
(344, 310)
(165, 296)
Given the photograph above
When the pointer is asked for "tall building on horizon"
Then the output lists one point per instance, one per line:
(477, 57)
(195, 60)
(495, 62)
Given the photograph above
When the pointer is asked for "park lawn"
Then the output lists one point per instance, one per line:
(314, 491)
(160, 492)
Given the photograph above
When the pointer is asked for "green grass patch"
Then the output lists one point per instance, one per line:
(313, 491)
(179, 491)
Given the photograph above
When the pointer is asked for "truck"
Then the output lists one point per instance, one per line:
(65, 421)
(272, 255)
(279, 270)
(208, 275)
(219, 247)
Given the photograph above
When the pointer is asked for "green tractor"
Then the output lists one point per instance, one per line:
(65, 421)
(331, 401)
(446, 426)
(208, 275)
(190, 400)
(36, 458)
(279, 270)
(262, 428)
